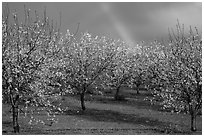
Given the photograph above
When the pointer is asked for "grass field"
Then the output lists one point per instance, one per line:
(106, 116)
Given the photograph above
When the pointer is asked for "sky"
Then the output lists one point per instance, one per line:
(129, 21)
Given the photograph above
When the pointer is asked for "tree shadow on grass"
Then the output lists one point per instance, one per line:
(113, 116)
(139, 102)
(7, 128)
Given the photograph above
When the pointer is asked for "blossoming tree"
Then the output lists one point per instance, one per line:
(26, 47)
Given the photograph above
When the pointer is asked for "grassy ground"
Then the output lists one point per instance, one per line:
(106, 116)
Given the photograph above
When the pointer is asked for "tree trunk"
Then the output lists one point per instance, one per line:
(117, 93)
(136, 86)
(15, 111)
(15, 119)
(193, 117)
(193, 122)
(82, 100)
(138, 90)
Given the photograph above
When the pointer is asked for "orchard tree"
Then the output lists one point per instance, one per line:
(182, 74)
(154, 60)
(85, 60)
(120, 71)
(140, 64)
(26, 47)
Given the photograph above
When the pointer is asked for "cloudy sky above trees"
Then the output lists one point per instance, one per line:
(129, 21)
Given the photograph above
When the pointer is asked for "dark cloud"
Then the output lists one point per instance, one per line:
(149, 20)
(132, 21)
